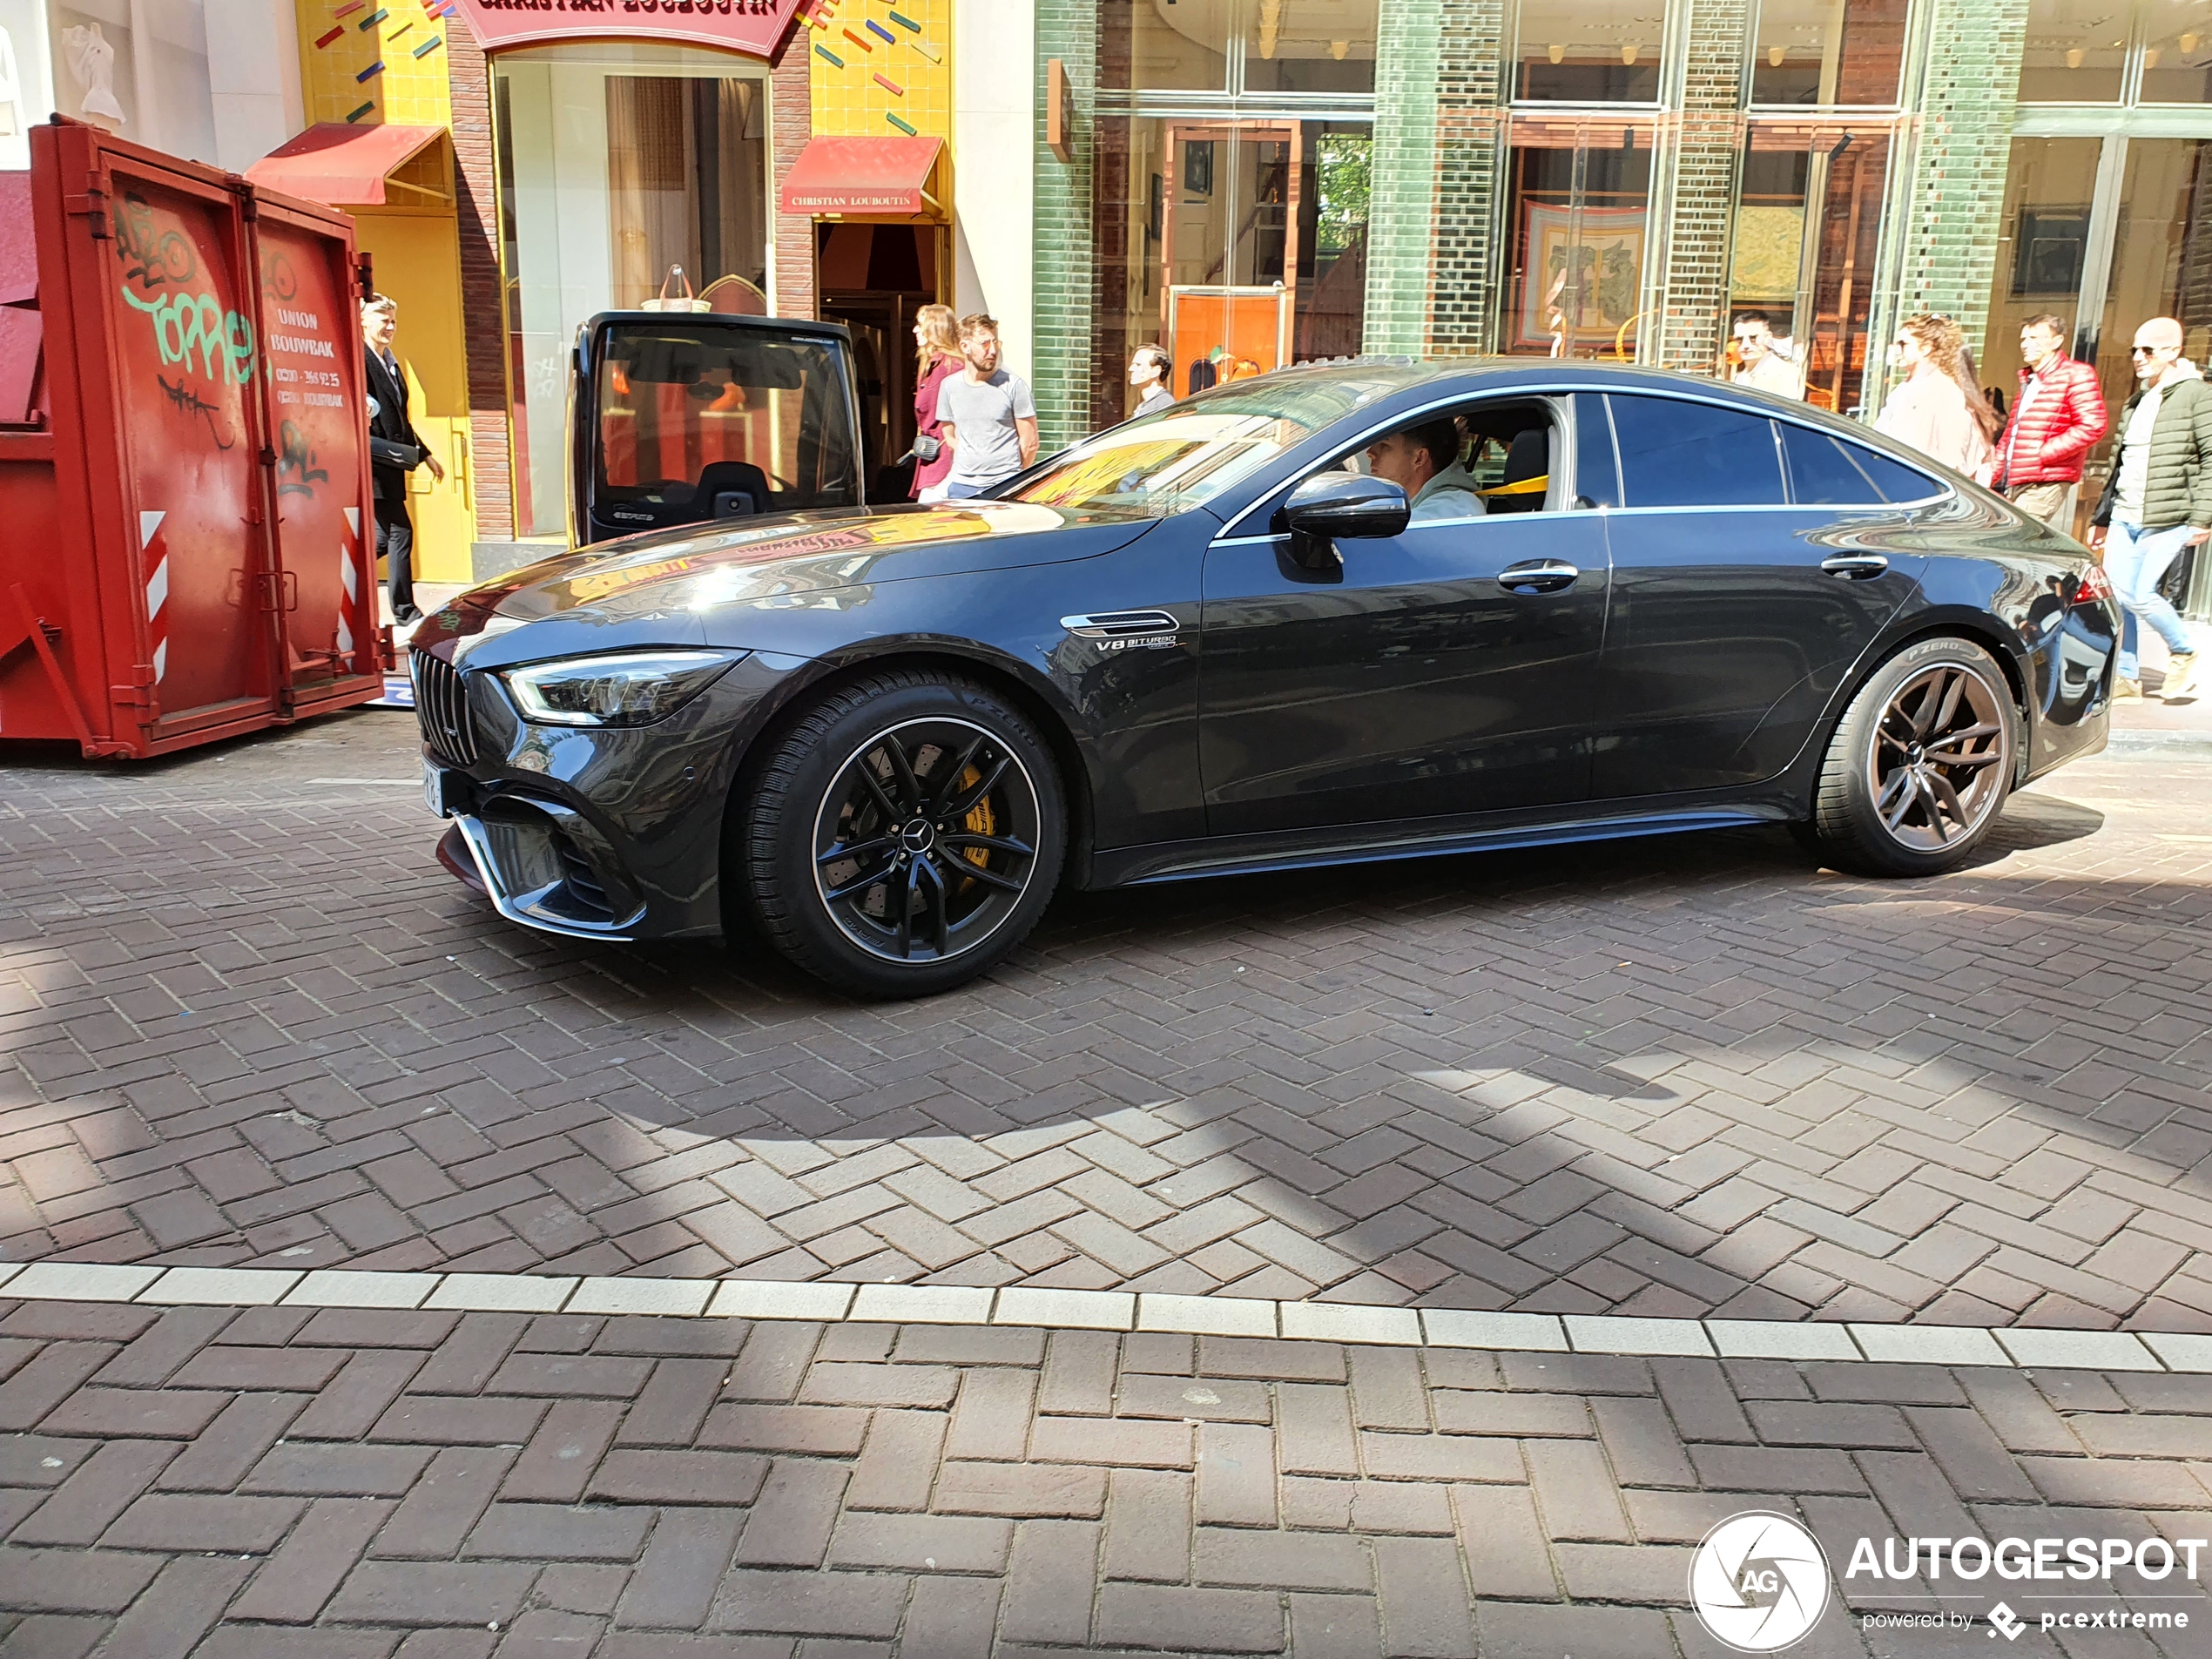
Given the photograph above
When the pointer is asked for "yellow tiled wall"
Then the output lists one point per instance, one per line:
(917, 60)
(404, 35)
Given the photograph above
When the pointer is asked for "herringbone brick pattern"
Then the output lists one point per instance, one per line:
(243, 1018)
(286, 1482)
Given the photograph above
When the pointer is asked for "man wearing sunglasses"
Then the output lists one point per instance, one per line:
(2158, 500)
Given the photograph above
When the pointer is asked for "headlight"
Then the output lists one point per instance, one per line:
(632, 688)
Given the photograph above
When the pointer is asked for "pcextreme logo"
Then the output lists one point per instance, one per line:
(1758, 1582)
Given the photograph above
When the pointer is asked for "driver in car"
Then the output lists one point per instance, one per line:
(1423, 461)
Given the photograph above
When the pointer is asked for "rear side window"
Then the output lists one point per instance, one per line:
(1596, 480)
(1675, 453)
(1829, 471)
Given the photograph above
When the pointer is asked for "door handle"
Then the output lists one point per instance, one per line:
(1537, 576)
(1855, 567)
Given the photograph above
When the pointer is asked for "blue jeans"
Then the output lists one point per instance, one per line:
(2135, 559)
(961, 492)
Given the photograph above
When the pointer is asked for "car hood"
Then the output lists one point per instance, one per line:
(703, 585)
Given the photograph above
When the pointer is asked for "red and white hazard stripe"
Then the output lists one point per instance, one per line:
(349, 562)
(154, 556)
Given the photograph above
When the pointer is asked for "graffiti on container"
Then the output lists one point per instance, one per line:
(277, 279)
(297, 473)
(149, 259)
(183, 323)
(187, 401)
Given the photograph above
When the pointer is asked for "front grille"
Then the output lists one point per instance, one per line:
(441, 705)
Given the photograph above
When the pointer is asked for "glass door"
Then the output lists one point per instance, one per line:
(1579, 223)
(1806, 228)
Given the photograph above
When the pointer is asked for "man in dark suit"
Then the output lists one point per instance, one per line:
(394, 450)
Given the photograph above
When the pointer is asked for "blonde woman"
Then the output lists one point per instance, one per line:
(1939, 409)
(936, 356)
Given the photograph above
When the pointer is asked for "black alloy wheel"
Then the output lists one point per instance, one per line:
(905, 835)
(1920, 764)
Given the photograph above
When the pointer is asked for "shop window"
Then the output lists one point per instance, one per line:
(1573, 52)
(2177, 59)
(1237, 246)
(616, 163)
(1807, 221)
(2076, 52)
(1251, 46)
(1308, 45)
(1579, 222)
(1827, 52)
(2042, 247)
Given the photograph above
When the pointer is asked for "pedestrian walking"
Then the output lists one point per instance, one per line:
(937, 359)
(396, 448)
(2058, 417)
(1939, 409)
(1150, 372)
(1766, 364)
(2158, 500)
(987, 413)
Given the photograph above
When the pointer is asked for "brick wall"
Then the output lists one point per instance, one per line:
(1465, 261)
(1402, 206)
(1955, 201)
(476, 196)
(1698, 236)
(1064, 277)
(791, 123)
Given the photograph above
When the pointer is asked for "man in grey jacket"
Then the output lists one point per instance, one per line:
(2158, 500)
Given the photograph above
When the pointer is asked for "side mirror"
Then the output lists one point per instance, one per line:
(1333, 504)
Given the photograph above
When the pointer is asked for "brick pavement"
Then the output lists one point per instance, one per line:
(247, 1019)
(288, 1481)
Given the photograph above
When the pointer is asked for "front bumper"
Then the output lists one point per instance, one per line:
(607, 833)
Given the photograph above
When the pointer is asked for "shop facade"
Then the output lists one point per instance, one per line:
(1268, 181)
(516, 169)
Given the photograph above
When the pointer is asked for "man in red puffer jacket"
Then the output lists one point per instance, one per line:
(2057, 420)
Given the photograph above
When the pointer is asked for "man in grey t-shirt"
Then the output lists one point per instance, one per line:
(988, 416)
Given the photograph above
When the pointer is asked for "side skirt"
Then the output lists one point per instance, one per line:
(1310, 849)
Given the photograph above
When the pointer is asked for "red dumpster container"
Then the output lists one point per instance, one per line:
(186, 547)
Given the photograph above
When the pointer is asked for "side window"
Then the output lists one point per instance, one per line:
(1675, 453)
(1512, 451)
(1597, 478)
(1829, 471)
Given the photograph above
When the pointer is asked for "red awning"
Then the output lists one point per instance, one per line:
(862, 176)
(342, 165)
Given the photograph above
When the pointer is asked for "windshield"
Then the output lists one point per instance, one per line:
(1187, 454)
(700, 420)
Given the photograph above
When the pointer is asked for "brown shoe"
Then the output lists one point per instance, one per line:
(2122, 690)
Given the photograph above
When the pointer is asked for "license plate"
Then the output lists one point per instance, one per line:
(433, 788)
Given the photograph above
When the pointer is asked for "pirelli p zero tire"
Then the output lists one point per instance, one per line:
(904, 834)
(1918, 767)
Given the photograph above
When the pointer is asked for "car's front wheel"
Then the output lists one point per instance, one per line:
(904, 834)
(1919, 765)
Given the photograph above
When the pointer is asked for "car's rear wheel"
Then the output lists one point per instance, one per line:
(904, 834)
(1918, 767)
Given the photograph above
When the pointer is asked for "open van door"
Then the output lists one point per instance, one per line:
(695, 417)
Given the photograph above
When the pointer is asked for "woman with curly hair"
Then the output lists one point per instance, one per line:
(1938, 408)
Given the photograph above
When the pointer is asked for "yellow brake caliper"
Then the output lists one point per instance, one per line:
(980, 821)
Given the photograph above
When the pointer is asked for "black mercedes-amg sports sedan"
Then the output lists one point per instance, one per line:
(1230, 637)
